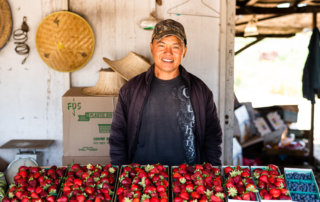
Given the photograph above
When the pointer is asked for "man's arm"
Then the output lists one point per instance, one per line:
(118, 134)
(213, 138)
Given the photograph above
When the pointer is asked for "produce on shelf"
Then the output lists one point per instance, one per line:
(302, 185)
(35, 184)
(270, 183)
(143, 183)
(198, 182)
(239, 184)
(88, 183)
(3, 186)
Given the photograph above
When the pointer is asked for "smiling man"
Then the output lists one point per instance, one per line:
(166, 115)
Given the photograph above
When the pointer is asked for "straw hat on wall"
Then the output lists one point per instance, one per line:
(65, 41)
(109, 83)
(129, 66)
(5, 22)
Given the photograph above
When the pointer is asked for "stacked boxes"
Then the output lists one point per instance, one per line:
(86, 127)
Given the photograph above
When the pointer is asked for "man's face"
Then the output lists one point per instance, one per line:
(167, 54)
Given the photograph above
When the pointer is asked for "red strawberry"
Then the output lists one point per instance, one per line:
(245, 174)
(195, 195)
(189, 188)
(251, 187)
(75, 167)
(81, 198)
(178, 199)
(263, 178)
(227, 170)
(215, 198)
(50, 198)
(161, 188)
(184, 195)
(273, 167)
(218, 188)
(200, 189)
(284, 197)
(154, 199)
(176, 189)
(52, 190)
(34, 195)
(267, 197)
(246, 196)
(89, 190)
(275, 193)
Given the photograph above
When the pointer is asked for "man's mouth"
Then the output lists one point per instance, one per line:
(167, 60)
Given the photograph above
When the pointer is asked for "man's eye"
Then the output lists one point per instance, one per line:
(176, 47)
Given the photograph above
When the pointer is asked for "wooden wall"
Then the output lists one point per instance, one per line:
(30, 102)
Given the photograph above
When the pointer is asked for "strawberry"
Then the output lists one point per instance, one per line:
(34, 195)
(200, 189)
(176, 189)
(89, 190)
(50, 198)
(189, 188)
(195, 195)
(272, 167)
(227, 170)
(246, 196)
(275, 193)
(252, 196)
(81, 198)
(263, 178)
(178, 199)
(218, 188)
(245, 174)
(161, 188)
(215, 198)
(267, 197)
(184, 195)
(75, 167)
(251, 187)
(154, 199)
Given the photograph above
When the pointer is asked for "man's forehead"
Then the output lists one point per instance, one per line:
(163, 40)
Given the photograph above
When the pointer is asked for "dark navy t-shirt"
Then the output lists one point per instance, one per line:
(166, 131)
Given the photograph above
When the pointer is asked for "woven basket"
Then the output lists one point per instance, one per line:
(5, 23)
(109, 83)
(129, 66)
(65, 41)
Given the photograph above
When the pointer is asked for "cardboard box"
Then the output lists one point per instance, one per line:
(84, 160)
(86, 123)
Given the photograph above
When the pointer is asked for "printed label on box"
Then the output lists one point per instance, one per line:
(104, 128)
(94, 115)
(73, 106)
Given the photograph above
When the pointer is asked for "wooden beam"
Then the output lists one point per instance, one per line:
(251, 2)
(246, 10)
(248, 45)
(241, 34)
(263, 19)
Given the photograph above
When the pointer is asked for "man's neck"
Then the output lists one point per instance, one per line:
(166, 75)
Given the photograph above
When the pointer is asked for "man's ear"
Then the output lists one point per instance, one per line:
(151, 46)
(184, 52)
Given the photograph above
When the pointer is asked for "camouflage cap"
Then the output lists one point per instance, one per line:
(169, 27)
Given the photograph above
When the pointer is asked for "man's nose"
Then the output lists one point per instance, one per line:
(168, 50)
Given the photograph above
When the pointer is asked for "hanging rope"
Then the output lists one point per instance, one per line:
(21, 37)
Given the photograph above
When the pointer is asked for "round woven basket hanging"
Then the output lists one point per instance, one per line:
(65, 41)
(5, 22)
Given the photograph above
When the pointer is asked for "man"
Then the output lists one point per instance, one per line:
(166, 115)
